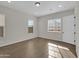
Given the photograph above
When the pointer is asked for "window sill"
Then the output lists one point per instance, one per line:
(54, 31)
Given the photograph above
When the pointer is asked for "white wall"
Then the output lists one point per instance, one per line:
(77, 27)
(42, 26)
(16, 26)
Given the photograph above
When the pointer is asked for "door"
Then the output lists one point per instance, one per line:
(68, 29)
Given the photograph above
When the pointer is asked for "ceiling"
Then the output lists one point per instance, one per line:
(46, 7)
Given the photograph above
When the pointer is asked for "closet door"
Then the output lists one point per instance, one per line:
(68, 29)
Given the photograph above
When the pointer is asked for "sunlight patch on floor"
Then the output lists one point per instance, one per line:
(54, 52)
(63, 47)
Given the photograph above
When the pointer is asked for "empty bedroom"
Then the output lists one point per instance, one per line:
(39, 29)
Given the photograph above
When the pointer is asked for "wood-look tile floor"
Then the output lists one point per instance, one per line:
(38, 48)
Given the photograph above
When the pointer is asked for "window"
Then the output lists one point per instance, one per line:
(54, 25)
(30, 23)
(30, 26)
(2, 25)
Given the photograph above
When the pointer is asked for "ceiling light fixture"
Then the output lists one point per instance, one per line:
(9, 1)
(60, 6)
(37, 4)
